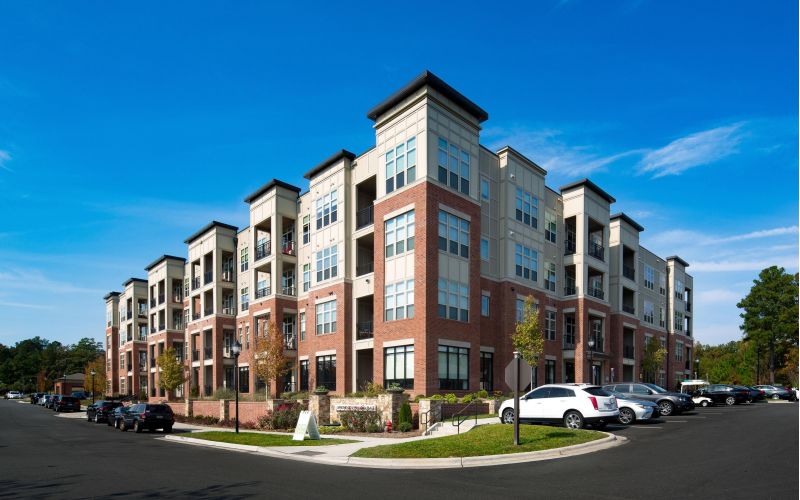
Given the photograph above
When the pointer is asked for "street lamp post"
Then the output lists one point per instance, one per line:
(516, 397)
(92, 373)
(591, 359)
(236, 348)
(696, 367)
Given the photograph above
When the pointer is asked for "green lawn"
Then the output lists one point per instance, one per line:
(484, 440)
(255, 439)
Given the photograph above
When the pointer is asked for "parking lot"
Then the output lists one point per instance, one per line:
(744, 451)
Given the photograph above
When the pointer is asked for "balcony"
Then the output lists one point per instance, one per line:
(289, 341)
(628, 309)
(597, 251)
(364, 330)
(628, 352)
(569, 245)
(208, 277)
(195, 282)
(362, 269)
(597, 293)
(261, 293)
(178, 325)
(289, 290)
(263, 250)
(365, 217)
(569, 341)
(152, 329)
(629, 272)
(245, 306)
(569, 288)
(687, 333)
(129, 315)
(177, 298)
(162, 327)
(208, 353)
(195, 316)
(688, 307)
(230, 311)
(143, 367)
(208, 312)
(598, 345)
(288, 248)
(227, 276)
(153, 302)
(196, 355)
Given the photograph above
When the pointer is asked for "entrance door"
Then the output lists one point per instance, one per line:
(596, 374)
(569, 372)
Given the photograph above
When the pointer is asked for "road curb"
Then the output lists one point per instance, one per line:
(610, 441)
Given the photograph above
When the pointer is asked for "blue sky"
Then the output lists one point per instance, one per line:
(123, 130)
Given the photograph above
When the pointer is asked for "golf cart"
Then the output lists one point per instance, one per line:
(692, 388)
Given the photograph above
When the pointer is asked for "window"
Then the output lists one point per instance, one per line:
(326, 209)
(550, 276)
(401, 165)
(649, 310)
(289, 323)
(326, 317)
(247, 336)
(453, 368)
(306, 277)
(306, 229)
(649, 277)
(527, 208)
(453, 167)
(399, 234)
(678, 289)
(245, 299)
(453, 300)
(549, 325)
(484, 188)
(453, 234)
(519, 308)
(550, 227)
(326, 372)
(398, 366)
(678, 326)
(121, 361)
(399, 300)
(678, 351)
(485, 249)
(485, 306)
(549, 371)
(327, 263)
(302, 326)
(662, 283)
(661, 316)
(244, 260)
(569, 330)
(526, 263)
(304, 375)
(487, 371)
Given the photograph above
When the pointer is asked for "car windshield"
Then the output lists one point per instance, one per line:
(597, 391)
(656, 388)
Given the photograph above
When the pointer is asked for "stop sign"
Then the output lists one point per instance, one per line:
(525, 374)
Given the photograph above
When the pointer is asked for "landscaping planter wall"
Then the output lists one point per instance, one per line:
(388, 405)
(178, 408)
(450, 409)
(225, 409)
(205, 408)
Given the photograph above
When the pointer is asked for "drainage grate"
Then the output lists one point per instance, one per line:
(309, 453)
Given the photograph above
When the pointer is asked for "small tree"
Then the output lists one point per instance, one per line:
(96, 384)
(653, 359)
(171, 372)
(269, 360)
(528, 339)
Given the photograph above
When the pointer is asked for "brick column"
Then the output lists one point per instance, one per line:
(435, 415)
(224, 409)
(320, 406)
(389, 405)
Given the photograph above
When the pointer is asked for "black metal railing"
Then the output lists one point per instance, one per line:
(195, 316)
(161, 298)
(364, 217)
(208, 312)
(152, 329)
(365, 268)
(569, 341)
(628, 309)
(142, 312)
(162, 326)
(262, 292)
(208, 353)
(130, 314)
(263, 249)
(688, 333)
(364, 330)
(195, 282)
(629, 272)
(597, 293)
(230, 310)
(288, 247)
(597, 251)
(227, 275)
(153, 302)
(289, 290)
(569, 288)
(628, 352)
(196, 355)
(466, 413)
(207, 277)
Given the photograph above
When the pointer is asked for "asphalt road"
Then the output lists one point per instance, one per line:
(748, 451)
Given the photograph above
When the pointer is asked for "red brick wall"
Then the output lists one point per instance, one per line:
(205, 408)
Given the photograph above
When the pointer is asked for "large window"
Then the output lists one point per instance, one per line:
(244, 379)
(661, 317)
(526, 262)
(453, 368)
(453, 300)
(327, 208)
(550, 325)
(487, 371)
(244, 299)
(649, 310)
(569, 330)
(550, 276)
(398, 366)
(326, 317)
(485, 188)
(662, 283)
(649, 277)
(678, 351)
(306, 229)
(550, 227)
(399, 234)
(399, 300)
(678, 289)
(302, 326)
(306, 277)
(453, 234)
(304, 375)
(453, 167)
(519, 310)
(401, 165)
(326, 372)
(484, 305)
(484, 248)
(678, 326)
(527, 208)
(549, 371)
(327, 263)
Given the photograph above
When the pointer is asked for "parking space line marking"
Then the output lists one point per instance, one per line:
(693, 416)
(648, 427)
(677, 421)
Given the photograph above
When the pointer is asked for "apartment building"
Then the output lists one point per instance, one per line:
(113, 320)
(133, 337)
(409, 264)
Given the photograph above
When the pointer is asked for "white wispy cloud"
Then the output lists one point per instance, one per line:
(5, 157)
(20, 279)
(22, 305)
(785, 261)
(700, 148)
(704, 239)
(777, 231)
(717, 296)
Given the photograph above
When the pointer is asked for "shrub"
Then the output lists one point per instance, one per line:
(283, 417)
(404, 426)
(321, 389)
(405, 414)
(331, 429)
(451, 398)
(359, 420)
(483, 394)
(436, 397)
(223, 393)
(418, 397)
(296, 396)
(468, 398)
(372, 389)
(194, 391)
(374, 427)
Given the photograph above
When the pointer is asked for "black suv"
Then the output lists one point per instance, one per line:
(100, 410)
(725, 394)
(668, 402)
(115, 417)
(147, 416)
(66, 403)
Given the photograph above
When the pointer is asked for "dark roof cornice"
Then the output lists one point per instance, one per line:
(591, 185)
(111, 294)
(207, 228)
(679, 260)
(627, 219)
(162, 259)
(266, 187)
(134, 280)
(339, 155)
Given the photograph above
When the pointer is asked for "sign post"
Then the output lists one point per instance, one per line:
(306, 424)
(516, 398)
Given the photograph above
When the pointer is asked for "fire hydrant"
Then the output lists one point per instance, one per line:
(388, 426)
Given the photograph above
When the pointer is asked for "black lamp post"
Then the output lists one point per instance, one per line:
(696, 367)
(236, 348)
(591, 359)
(92, 373)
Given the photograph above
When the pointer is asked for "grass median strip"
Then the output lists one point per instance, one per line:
(256, 439)
(484, 440)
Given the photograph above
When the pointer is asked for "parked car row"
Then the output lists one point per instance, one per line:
(56, 402)
(14, 395)
(138, 417)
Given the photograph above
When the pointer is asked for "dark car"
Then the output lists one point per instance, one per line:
(48, 400)
(100, 410)
(115, 417)
(148, 416)
(668, 402)
(777, 392)
(725, 394)
(35, 397)
(66, 403)
(753, 393)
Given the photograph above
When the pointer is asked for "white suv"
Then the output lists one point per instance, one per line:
(13, 395)
(574, 405)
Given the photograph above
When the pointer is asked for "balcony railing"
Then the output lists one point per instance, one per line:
(153, 302)
(688, 333)
(688, 307)
(569, 341)
(628, 352)
(245, 306)
(597, 251)
(263, 250)
(208, 312)
(230, 311)
(364, 217)
(208, 353)
(597, 293)
(161, 298)
(364, 330)
(195, 316)
(598, 345)
(569, 246)
(629, 272)
(288, 247)
(196, 355)
(262, 292)
(289, 290)
(366, 268)
(152, 329)
(177, 298)
(128, 367)
(628, 309)
(178, 325)
(289, 341)
(130, 315)
(569, 288)
(161, 327)
(227, 275)
(208, 277)
(143, 367)
(195, 282)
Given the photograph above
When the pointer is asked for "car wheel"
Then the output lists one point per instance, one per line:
(704, 404)
(730, 401)
(137, 428)
(96, 418)
(573, 420)
(167, 429)
(508, 416)
(122, 426)
(775, 396)
(666, 408)
(626, 416)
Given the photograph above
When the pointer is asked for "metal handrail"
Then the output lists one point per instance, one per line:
(457, 420)
(429, 416)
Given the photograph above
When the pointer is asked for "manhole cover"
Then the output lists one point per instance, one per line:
(309, 453)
